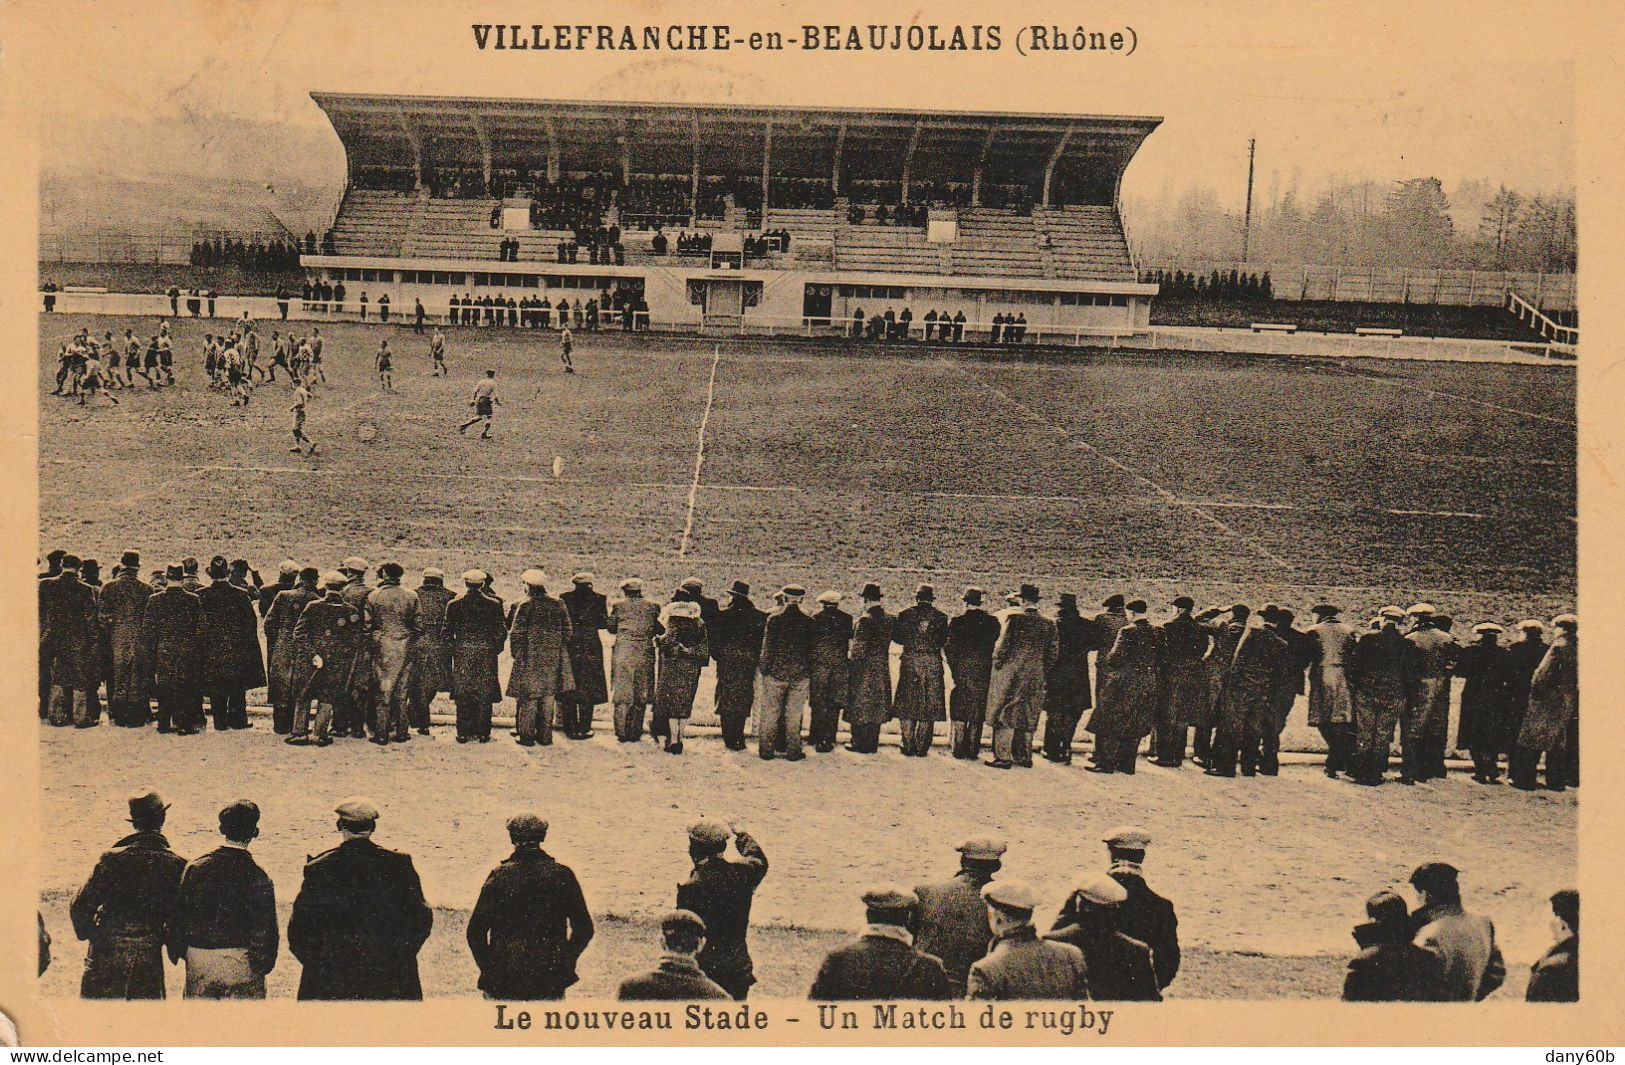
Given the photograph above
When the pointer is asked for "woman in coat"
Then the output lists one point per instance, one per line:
(1486, 703)
(683, 652)
(868, 703)
(290, 667)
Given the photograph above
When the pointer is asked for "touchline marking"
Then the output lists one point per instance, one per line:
(1459, 399)
(699, 452)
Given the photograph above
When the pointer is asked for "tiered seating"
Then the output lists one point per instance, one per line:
(812, 232)
(997, 242)
(461, 229)
(1086, 243)
(373, 223)
(885, 248)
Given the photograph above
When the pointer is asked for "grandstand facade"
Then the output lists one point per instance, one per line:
(737, 216)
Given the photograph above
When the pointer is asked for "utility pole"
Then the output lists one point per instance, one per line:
(1247, 220)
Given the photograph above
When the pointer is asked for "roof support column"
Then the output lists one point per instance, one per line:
(908, 158)
(694, 188)
(417, 148)
(485, 150)
(552, 150)
(767, 159)
(976, 171)
(835, 169)
(1054, 157)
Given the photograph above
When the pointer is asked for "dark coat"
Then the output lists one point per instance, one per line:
(228, 638)
(70, 631)
(329, 628)
(1119, 967)
(1380, 673)
(953, 924)
(1022, 966)
(1066, 688)
(736, 645)
(678, 978)
(1331, 648)
(538, 639)
(126, 911)
(922, 631)
(969, 652)
(787, 645)
(719, 891)
(832, 638)
(226, 900)
(684, 654)
(358, 923)
(1184, 680)
(868, 697)
(879, 967)
(1149, 918)
(1128, 690)
(635, 621)
(290, 662)
(431, 656)
(169, 637)
(589, 615)
(1249, 687)
(122, 605)
(1107, 623)
(1486, 699)
(1392, 972)
(1523, 658)
(1221, 660)
(1556, 976)
(529, 927)
(476, 631)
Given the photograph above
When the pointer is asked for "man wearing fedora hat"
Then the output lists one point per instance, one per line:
(783, 676)
(1019, 965)
(736, 646)
(969, 651)
(952, 914)
(69, 638)
(1128, 704)
(287, 666)
(430, 671)
(1066, 689)
(1184, 682)
(230, 662)
(225, 918)
(122, 605)
(476, 631)
(589, 616)
(883, 963)
(1022, 659)
(869, 673)
(827, 684)
(635, 622)
(169, 647)
(391, 618)
(530, 924)
(1247, 704)
(920, 702)
(126, 910)
(538, 640)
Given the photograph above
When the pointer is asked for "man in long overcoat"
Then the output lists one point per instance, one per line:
(589, 616)
(1524, 655)
(1247, 708)
(1226, 629)
(1022, 659)
(1284, 692)
(1184, 682)
(1128, 694)
(1486, 709)
(360, 918)
(476, 631)
(392, 624)
(736, 646)
(1331, 700)
(289, 665)
(1380, 676)
(869, 694)
(1108, 623)
(921, 701)
(351, 711)
(827, 687)
(126, 910)
(1429, 696)
(431, 655)
(635, 622)
(1554, 702)
(969, 651)
(328, 639)
(122, 605)
(1066, 689)
(531, 923)
(169, 648)
(70, 634)
(229, 648)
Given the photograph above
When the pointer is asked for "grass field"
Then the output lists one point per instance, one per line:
(1225, 477)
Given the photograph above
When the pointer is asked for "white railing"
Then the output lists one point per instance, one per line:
(1563, 336)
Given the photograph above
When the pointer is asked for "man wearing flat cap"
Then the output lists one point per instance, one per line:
(169, 648)
(531, 923)
(1144, 915)
(225, 919)
(678, 977)
(1225, 628)
(972, 635)
(1554, 705)
(229, 647)
(1184, 682)
(920, 701)
(736, 646)
(953, 914)
(1331, 643)
(122, 606)
(360, 918)
(1472, 964)
(589, 616)
(783, 678)
(1127, 710)
(827, 681)
(635, 622)
(539, 641)
(719, 891)
(1019, 965)
(390, 616)
(430, 671)
(1108, 622)
(1119, 966)
(1432, 659)
(1380, 676)
(883, 963)
(476, 631)
(869, 673)
(126, 910)
(1022, 659)
(328, 636)
(1066, 689)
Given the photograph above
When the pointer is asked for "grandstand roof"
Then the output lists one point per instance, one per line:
(663, 138)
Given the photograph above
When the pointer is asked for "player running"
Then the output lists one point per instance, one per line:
(301, 397)
(484, 402)
(93, 382)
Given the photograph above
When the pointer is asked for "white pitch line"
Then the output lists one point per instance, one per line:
(699, 452)
(1459, 399)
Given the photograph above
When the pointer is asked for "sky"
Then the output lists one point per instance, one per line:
(1375, 90)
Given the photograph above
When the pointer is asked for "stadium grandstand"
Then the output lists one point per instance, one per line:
(737, 216)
